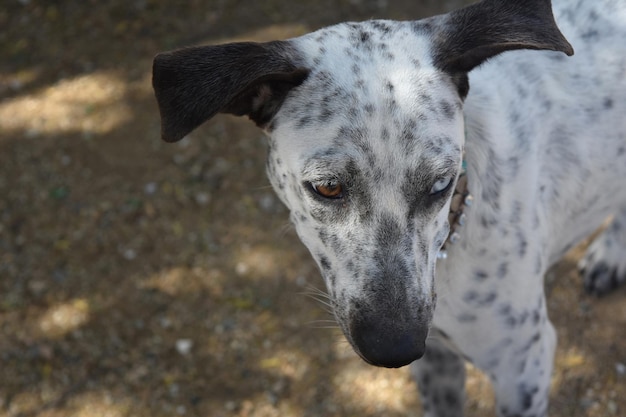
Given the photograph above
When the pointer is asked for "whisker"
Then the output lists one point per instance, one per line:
(284, 229)
(261, 188)
(323, 324)
(320, 296)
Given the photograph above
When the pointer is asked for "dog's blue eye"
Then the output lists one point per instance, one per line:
(441, 186)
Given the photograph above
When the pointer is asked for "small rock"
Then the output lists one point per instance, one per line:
(230, 406)
(202, 198)
(620, 368)
(183, 346)
(129, 254)
(241, 269)
(266, 202)
(150, 188)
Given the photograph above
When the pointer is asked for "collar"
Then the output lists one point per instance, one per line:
(461, 198)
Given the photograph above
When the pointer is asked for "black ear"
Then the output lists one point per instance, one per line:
(468, 37)
(246, 78)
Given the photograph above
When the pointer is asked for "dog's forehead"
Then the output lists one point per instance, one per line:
(372, 87)
(373, 59)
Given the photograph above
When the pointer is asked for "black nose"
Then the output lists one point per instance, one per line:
(391, 345)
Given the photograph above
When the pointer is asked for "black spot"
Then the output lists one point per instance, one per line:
(447, 109)
(505, 310)
(536, 337)
(488, 299)
(325, 115)
(527, 395)
(384, 134)
(522, 318)
(608, 103)
(503, 269)
(466, 318)
(303, 122)
(546, 105)
(323, 236)
(536, 317)
(522, 243)
(451, 398)
(480, 275)
(470, 296)
(324, 263)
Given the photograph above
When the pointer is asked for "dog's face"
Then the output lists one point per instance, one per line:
(366, 140)
(365, 154)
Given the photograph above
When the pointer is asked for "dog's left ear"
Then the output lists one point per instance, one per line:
(467, 37)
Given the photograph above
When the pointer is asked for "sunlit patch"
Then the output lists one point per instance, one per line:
(104, 404)
(63, 318)
(572, 363)
(87, 104)
(270, 33)
(479, 392)
(259, 261)
(377, 390)
(181, 280)
(287, 363)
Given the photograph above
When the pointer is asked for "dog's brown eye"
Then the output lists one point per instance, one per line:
(328, 189)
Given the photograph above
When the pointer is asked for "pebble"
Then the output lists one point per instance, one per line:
(129, 254)
(202, 198)
(620, 368)
(150, 188)
(66, 160)
(230, 405)
(183, 346)
(241, 268)
(267, 202)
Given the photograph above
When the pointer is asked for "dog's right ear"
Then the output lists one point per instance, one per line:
(191, 85)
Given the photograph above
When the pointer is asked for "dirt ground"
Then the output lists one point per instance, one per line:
(139, 278)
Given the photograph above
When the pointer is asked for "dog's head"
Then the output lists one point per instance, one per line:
(366, 139)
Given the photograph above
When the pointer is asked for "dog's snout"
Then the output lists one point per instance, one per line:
(387, 343)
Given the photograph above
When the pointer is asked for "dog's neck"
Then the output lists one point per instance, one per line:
(461, 198)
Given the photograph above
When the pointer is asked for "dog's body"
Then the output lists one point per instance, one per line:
(369, 124)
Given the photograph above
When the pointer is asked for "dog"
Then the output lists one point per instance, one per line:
(434, 178)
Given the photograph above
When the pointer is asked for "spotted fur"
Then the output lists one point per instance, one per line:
(382, 113)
